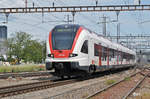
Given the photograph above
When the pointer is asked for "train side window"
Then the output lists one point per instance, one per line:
(84, 48)
(96, 50)
(124, 55)
(105, 54)
(102, 53)
(113, 53)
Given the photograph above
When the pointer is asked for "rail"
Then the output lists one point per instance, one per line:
(108, 87)
(27, 74)
(24, 88)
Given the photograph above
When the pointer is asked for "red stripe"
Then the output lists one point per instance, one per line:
(76, 38)
(117, 57)
(93, 62)
(121, 57)
(50, 41)
(63, 53)
(100, 54)
(108, 56)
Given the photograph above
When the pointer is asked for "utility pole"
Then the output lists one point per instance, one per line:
(26, 3)
(118, 32)
(104, 25)
(117, 13)
(42, 17)
(53, 4)
(118, 27)
(6, 14)
(137, 2)
(68, 19)
(33, 4)
(96, 2)
(73, 14)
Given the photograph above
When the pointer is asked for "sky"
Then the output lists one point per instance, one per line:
(135, 22)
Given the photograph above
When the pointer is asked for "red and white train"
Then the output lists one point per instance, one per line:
(72, 49)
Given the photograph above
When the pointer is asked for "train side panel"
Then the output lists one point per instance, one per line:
(90, 53)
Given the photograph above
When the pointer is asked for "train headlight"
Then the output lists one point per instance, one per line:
(73, 55)
(51, 55)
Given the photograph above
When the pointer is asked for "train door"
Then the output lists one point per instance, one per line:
(100, 55)
(107, 56)
(119, 58)
(91, 51)
(97, 54)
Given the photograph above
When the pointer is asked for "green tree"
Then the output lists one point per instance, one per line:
(21, 46)
(16, 45)
(33, 52)
(43, 50)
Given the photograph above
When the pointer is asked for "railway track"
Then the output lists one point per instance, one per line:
(24, 88)
(30, 87)
(136, 86)
(28, 74)
(100, 92)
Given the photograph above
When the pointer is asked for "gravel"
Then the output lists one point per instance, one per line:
(143, 92)
(78, 90)
(119, 90)
(21, 80)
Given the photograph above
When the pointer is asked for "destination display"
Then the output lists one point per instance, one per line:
(65, 30)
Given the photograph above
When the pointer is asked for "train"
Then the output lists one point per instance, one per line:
(73, 49)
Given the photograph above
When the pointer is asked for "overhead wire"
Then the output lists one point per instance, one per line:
(132, 14)
(61, 2)
(38, 18)
(85, 17)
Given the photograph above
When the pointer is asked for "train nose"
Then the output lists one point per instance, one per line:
(59, 66)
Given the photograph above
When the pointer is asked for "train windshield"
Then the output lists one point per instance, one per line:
(63, 37)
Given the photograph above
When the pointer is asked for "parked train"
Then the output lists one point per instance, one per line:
(72, 49)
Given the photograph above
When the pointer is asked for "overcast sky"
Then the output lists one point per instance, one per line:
(32, 23)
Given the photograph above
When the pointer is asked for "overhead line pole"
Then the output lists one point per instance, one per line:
(76, 9)
(104, 25)
(26, 3)
(118, 32)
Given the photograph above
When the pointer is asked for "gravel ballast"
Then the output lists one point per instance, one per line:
(77, 90)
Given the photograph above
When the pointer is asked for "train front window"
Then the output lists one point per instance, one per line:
(63, 37)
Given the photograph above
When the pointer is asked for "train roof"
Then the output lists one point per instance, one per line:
(107, 43)
(68, 25)
(115, 46)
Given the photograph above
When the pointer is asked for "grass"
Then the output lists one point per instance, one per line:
(109, 82)
(21, 68)
(144, 96)
(127, 78)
